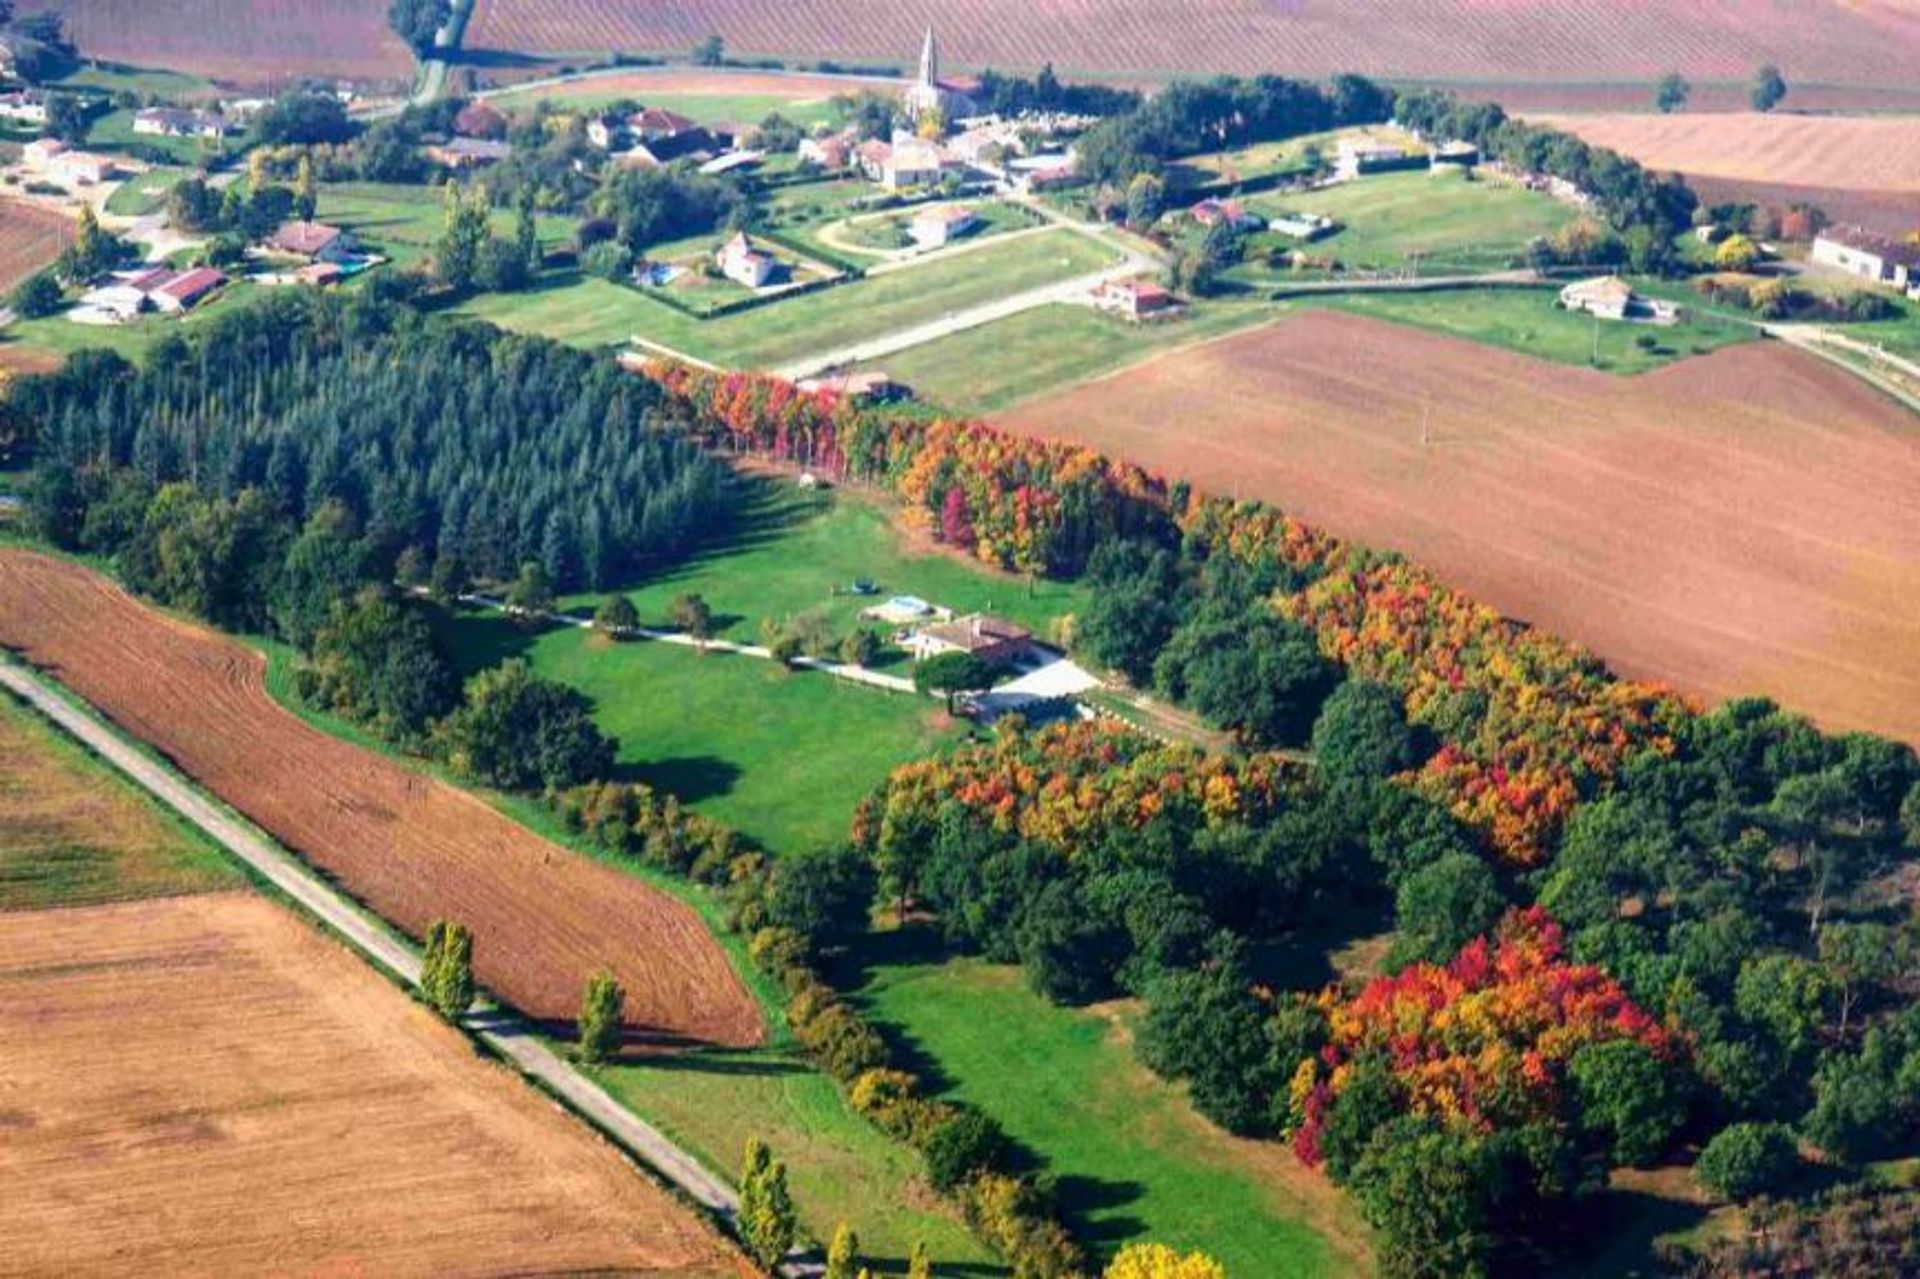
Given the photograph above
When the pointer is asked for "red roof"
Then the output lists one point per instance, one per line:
(660, 122)
(304, 238)
(189, 286)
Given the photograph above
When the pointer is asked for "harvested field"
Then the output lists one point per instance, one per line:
(1849, 42)
(258, 43)
(412, 848)
(1861, 153)
(210, 1087)
(30, 238)
(71, 833)
(1742, 522)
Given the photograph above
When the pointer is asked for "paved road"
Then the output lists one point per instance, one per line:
(502, 1031)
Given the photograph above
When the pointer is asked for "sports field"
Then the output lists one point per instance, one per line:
(1739, 523)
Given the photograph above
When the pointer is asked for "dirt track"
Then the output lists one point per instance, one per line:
(204, 1085)
(1744, 522)
(412, 848)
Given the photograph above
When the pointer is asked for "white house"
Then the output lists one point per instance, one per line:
(906, 161)
(177, 122)
(23, 106)
(1860, 252)
(740, 262)
(933, 228)
(1611, 298)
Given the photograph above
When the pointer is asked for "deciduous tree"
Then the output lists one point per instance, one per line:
(602, 1004)
(446, 968)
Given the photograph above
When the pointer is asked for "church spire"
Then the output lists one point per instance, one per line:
(929, 60)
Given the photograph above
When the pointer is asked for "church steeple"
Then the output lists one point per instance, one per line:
(929, 60)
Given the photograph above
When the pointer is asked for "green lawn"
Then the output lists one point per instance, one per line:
(403, 221)
(1528, 321)
(1131, 1158)
(114, 131)
(893, 229)
(55, 336)
(1451, 224)
(591, 312)
(986, 369)
(74, 833)
(840, 1168)
(706, 108)
(145, 193)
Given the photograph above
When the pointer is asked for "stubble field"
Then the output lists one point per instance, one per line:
(1742, 522)
(1856, 42)
(257, 43)
(1860, 153)
(204, 1085)
(414, 849)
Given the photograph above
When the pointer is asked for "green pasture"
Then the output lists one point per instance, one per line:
(146, 193)
(402, 220)
(1129, 1156)
(591, 312)
(705, 108)
(114, 132)
(885, 232)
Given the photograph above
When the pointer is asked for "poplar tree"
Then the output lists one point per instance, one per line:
(843, 1252)
(601, 1006)
(446, 970)
(767, 1222)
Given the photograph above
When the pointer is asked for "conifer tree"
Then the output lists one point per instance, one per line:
(843, 1252)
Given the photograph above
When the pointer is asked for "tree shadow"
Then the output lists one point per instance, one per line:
(1630, 1223)
(1079, 1197)
(691, 778)
(706, 1061)
(1305, 959)
(481, 641)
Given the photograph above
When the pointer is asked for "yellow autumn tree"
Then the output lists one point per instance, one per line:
(1157, 1261)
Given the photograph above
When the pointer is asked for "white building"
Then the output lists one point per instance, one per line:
(1862, 253)
(742, 263)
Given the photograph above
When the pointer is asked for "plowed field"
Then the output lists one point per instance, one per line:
(205, 1086)
(30, 238)
(259, 43)
(1844, 153)
(412, 848)
(1742, 522)
(1847, 42)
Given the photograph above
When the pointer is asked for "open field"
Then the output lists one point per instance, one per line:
(414, 849)
(30, 238)
(258, 43)
(1858, 42)
(1448, 223)
(73, 834)
(592, 312)
(211, 1087)
(711, 96)
(146, 193)
(403, 221)
(1739, 523)
(1132, 1159)
(1848, 154)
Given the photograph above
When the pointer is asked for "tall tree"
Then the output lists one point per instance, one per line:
(306, 197)
(602, 1004)
(446, 968)
(843, 1254)
(464, 232)
(768, 1224)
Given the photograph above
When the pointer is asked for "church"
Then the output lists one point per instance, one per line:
(927, 95)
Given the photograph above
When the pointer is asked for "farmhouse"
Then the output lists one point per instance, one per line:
(314, 241)
(24, 106)
(179, 122)
(654, 135)
(832, 152)
(480, 120)
(993, 640)
(469, 153)
(80, 168)
(740, 262)
(927, 96)
(1609, 297)
(1860, 252)
(905, 162)
(1135, 300)
(1211, 213)
(158, 288)
(935, 227)
(1356, 159)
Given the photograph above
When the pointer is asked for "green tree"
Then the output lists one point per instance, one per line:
(306, 197)
(1859, 956)
(1629, 1097)
(446, 968)
(1672, 93)
(531, 595)
(710, 52)
(465, 231)
(694, 617)
(843, 1254)
(919, 1261)
(418, 21)
(616, 615)
(36, 296)
(1769, 86)
(1364, 1107)
(520, 732)
(952, 673)
(1748, 1159)
(824, 895)
(767, 1221)
(1146, 199)
(967, 1144)
(1442, 906)
(602, 1004)
(1786, 996)
(1362, 734)
(1736, 253)
(526, 232)
(1427, 1192)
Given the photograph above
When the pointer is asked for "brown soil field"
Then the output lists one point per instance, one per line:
(412, 848)
(256, 43)
(203, 1086)
(30, 238)
(1738, 523)
(1849, 153)
(71, 833)
(1843, 42)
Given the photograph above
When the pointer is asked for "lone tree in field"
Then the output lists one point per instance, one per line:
(952, 673)
(1769, 86)
(693, 615)
(1673, 92)
(843, 1254)
(616, 615)
(767, 1223)
(531, 594)
(446, 970)
(601, 1006)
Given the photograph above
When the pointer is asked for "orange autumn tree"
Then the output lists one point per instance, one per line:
(1480, 1044)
